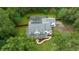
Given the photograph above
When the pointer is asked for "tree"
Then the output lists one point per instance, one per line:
(62, 13)
(7, 27)
(74, 41)
(19, 43)
(14, 15)
(62, 41)
(76, 24)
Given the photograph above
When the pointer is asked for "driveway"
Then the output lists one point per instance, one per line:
(64, 28)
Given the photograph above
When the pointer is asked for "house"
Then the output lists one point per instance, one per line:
(40, 26)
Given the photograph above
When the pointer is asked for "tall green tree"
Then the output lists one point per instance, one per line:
(7, 27)
(76, 24)
(19, 43)
(14, 15)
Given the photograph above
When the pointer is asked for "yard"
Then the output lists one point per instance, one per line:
(47, 45)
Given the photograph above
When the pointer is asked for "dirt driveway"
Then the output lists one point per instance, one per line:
(63, 28)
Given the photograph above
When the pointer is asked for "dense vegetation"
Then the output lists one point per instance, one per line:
(14, 38)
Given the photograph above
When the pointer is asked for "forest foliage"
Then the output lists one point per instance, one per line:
(14, 39)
